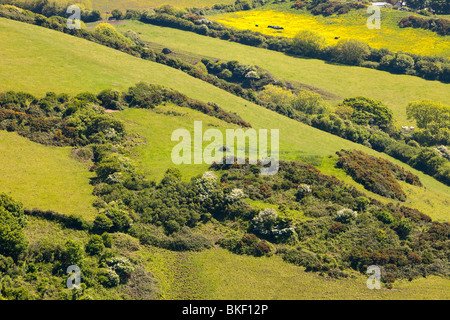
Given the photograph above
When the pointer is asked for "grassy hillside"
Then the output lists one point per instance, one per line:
(28, 53)
(44, 177)
(219, 274)
(345, 81)
(92, 67)
(227, 276)
(109, 5)
(153, 157)
(347, 26)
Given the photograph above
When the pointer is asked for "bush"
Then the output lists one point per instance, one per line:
(108, 278)
(307, 43)
(12, 236)
(111, 99)
(368, 111)
(376, 174)
(310, 103)
(72, 254)
(401, 63)
(352, 52)
(95, 246)
(345, 216)
(121, 266)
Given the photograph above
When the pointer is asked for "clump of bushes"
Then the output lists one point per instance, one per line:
(249, 244)
(376, 174)
(327, 8)
(439, 25)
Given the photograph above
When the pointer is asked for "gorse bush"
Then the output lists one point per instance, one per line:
(376, 174)
(439, 25)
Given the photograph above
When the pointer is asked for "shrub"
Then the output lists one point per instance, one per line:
(107, 240)
(368, 111)
(307, 43)
(345, 215)
(401, 63)
(351, 51)
(108, 278)
(121, 266)
(72, 254)
(376, 174)
(111, 99)
(310, 103)
(12, 236)
(102, 223)
(95, 246)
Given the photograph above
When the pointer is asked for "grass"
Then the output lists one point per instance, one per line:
(108, 5)
(92, 67)
(44, 177)
(29, 52)
(348, 26)
(154, 157)
(217, 274)
(229, 276)
(396, 91)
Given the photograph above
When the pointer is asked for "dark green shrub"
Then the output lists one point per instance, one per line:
(95, 246)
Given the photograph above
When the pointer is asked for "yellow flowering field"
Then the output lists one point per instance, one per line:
(349, 26)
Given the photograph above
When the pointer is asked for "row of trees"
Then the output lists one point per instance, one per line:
(311, 44)
(50, 8)
(354, 52)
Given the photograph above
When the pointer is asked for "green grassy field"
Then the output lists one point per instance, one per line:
(44, 177)
(345, 81)
(217, 274)
(108, 5)
(228, 276)
(28, 52)
(92, 67)
(154, 157)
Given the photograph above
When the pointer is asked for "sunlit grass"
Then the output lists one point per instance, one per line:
(108, 5)
(230, 276)
(57, 62)
(396, 91)
(44, 177)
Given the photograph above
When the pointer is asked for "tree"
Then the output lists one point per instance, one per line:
(276, 95)
(118, 215)
(309, 103)
(307, 43)
(350, 51)
(12, 235)
(368, 111)
(402, 62)
(344, 112)
(102, 223)
(440, 6)
(73, 254)
(428, 113)
(117, 14)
